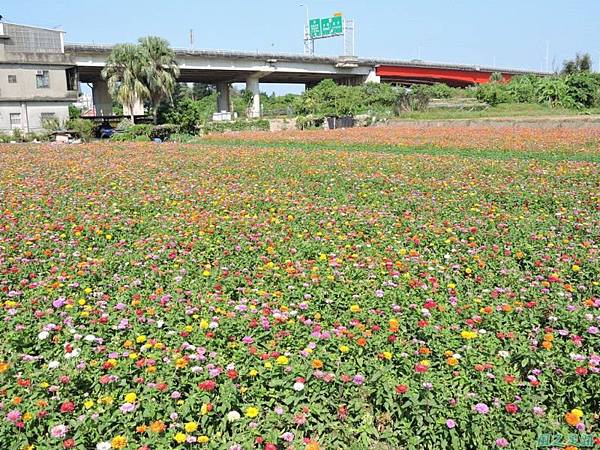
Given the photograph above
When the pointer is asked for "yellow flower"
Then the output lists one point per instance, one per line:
(131, 397)
(282, 360)
(355, 308)
(140, 339)
(452, 361)
(87, 290)
(268, 365)
(253, 373)
(468, 334)
(106, 400)
(180, 438)
(180, 363)
(575, 268)
(27, 416)
(119, 442)
(387, 355)
(577, 413)
(88, 404)
(190, 427)
(425, 362)
(204, 409)
(344, 348)
(251, 412)
(206, 273)
(203, 439)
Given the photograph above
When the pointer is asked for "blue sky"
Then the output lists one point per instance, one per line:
(509, 33)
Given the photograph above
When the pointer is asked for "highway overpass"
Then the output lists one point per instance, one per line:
(222, 68)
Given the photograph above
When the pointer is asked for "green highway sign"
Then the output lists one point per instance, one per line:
(314, 26)
(337, 26)
(326, 27)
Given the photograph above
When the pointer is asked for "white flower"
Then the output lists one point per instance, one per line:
(43, 335)
(298, 386)
(90, 338)
(103, 446)
(233, 416)
(53, 365)
(503, 354)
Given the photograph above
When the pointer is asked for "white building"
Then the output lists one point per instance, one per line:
(37, 82)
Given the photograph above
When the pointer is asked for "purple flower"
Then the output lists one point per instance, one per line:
(127, 407)
(58, 302)
(358, 379)
(593, 330)
(379, 293)
(481, 408)
(450, 423)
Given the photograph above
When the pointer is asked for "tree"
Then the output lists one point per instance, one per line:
(581, 63)
(124, 73)
(159, 70)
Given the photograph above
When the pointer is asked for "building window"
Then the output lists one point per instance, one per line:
(47, 116)
(15, 120)
(42, 79)
(12, 79)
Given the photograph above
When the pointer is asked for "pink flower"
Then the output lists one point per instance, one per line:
(501, 442)
(481, 408)
(59, 431)
(13, 416)
(450, 423)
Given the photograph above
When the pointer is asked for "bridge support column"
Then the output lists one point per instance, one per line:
(223, 102)
(253, 85)
(101, 98)
(137, 110)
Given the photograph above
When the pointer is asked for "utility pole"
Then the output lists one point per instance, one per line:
(192, 39)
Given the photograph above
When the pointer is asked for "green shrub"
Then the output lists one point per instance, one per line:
(85, 128)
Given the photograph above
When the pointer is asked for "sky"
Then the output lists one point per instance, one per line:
(505, 34)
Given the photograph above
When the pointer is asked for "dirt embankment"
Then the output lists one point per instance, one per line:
(520, 122)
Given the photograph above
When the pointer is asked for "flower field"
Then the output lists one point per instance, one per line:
(580, 141)
(235, 297)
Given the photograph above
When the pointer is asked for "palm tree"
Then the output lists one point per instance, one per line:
(160, 70)
(125, 76)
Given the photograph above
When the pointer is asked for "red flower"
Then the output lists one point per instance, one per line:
(402, 389)
(67, 407)
(232, 374)
(582, 371)
(509, 378)
(269, 446)
(69, 443)
(420, 368)
(511, 408)
(207, 385)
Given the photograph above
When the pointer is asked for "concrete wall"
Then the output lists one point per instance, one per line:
(26, 87)
(31, 114)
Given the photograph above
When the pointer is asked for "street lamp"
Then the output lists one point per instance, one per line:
(309, 44)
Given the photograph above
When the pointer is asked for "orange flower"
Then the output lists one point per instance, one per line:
(312, 445)
(158, 426)
(572, 419)
(452, 361)
(3, 367)
(141, 428)
(361, 341)
(317, 364)
(547, 345)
